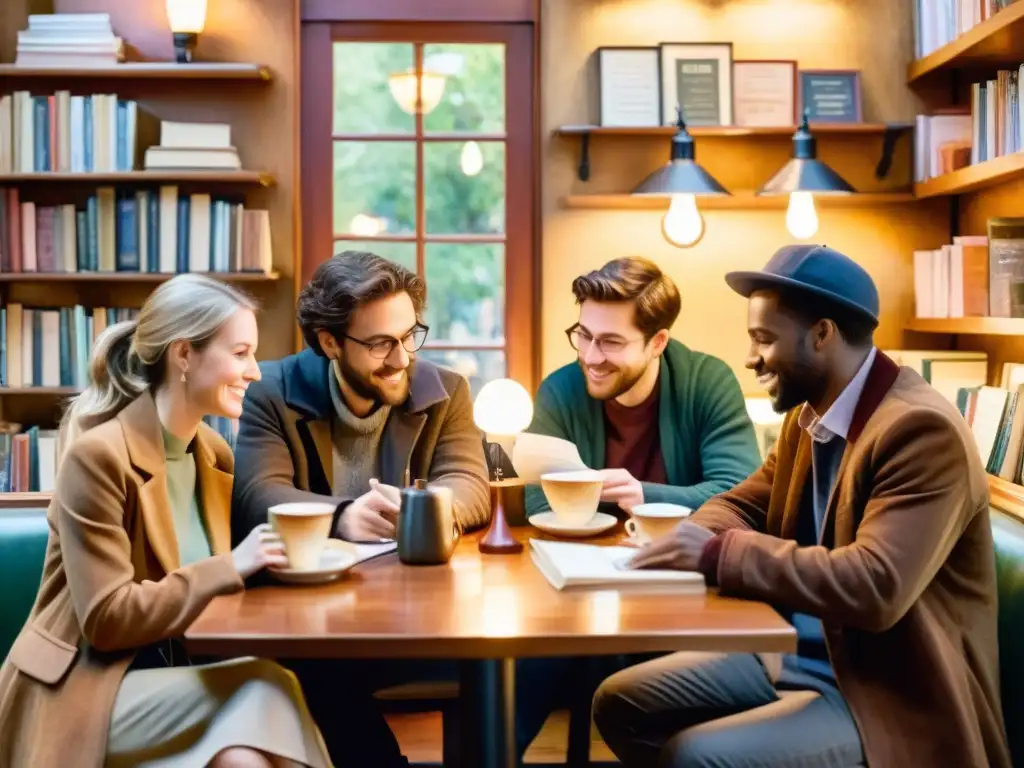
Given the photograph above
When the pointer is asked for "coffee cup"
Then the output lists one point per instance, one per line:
(304, 527)
(573, 496)
(652, 521)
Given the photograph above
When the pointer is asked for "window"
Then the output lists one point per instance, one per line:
(446, 190)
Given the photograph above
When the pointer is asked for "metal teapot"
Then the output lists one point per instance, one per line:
(427, 531)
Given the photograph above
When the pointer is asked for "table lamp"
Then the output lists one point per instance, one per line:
(502, 410)
(187, 18)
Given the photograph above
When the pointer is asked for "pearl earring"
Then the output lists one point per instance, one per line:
(183, 380)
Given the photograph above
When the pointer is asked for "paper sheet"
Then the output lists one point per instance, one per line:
(535, 455)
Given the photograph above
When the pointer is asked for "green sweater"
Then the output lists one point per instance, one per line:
(707, 439)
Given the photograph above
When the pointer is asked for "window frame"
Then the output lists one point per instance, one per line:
(522, 199)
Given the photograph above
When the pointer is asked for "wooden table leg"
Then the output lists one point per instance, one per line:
(488, 693)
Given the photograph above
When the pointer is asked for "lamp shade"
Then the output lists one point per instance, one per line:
(403, 90)
(186, 15)
(682, 174)
(503, 407)
(804, 172)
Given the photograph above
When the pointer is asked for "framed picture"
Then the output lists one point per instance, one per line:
(764, 93)
(831, 95)
(698, 78)
(629, 86)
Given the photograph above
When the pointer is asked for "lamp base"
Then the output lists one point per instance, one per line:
(499, 539)
(184, 44)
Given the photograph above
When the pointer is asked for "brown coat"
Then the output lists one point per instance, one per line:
(906, 585)
(284, 451)
(111, 585)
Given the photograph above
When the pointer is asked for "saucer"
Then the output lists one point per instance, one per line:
(337, 557)
(546, 522)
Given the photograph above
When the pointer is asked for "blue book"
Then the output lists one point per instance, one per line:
(153, 236)
(183, 231)
(87, 130)
(41, 134)
(127, 233)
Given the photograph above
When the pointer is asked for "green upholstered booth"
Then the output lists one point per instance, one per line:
(23, 534)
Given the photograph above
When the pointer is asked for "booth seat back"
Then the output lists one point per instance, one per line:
(23, 535)
(1008, 533)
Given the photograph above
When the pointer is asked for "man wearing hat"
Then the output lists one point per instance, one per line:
(868, 525)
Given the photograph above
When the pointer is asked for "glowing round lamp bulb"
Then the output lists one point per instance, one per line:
(403, 90)
(503, 407)
(472, 159)
(683, 225)
(186, 15)
(801, 218)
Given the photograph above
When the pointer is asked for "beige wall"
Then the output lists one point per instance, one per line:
(870, 35)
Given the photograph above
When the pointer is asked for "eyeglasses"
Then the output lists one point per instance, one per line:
(382, 348)
(581, 341)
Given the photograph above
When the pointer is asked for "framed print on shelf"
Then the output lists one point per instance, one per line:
(764, 93)
(629, 86)
(831, 95)
(697, 77)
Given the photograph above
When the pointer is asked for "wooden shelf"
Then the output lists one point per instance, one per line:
(34, 499)
(980, 326)
(729, 131)
(129, 277)
(146, 70)
(973, 177)
(1006, 496)
(38, 391)
(141, 177)
(997, 40)
(740, 200)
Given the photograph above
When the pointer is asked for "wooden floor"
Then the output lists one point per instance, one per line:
(420, 737)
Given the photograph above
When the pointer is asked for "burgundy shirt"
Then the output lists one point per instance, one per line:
(632, 440)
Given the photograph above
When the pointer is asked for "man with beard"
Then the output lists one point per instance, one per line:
(868, 523)
(661, 422)
(348, 421)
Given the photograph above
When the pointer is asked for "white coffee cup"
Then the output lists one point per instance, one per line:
(652, 521)
(304, 527)
(573, 496)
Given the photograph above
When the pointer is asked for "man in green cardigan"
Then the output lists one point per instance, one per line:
(661, 422)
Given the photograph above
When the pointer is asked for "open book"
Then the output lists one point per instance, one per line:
(568, 566)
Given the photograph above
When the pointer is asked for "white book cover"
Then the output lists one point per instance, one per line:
(569, 565)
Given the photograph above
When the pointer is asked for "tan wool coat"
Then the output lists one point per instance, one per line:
(905, 582)
(111, 585)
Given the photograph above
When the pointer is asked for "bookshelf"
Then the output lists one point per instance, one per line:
(997, 40)
(739, 200)
(984, 326)
(729, 131)
(1006, 496)
(129, 277)
(973, 177)
(143, 70)
(140, 177)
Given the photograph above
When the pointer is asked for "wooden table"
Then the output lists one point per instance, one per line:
(492, 608)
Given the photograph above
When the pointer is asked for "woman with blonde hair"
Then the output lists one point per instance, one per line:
(139, 544)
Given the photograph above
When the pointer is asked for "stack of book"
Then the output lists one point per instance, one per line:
(996, 416)
(947, 371)
(198, 146)
(975, 275)
(61, 132)
(62, 40)
(154, 230)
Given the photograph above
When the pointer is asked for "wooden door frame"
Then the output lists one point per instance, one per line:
(522, 252)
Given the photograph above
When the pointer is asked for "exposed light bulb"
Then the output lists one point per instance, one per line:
(801, 218)
(683, 225)
(472, 159)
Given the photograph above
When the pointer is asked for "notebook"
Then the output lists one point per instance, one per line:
(581, 566)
